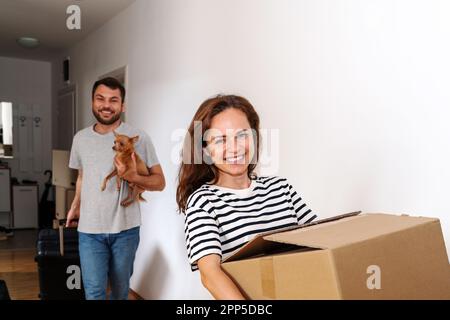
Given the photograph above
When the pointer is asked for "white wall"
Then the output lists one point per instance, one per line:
(29, 82)
(358, 91)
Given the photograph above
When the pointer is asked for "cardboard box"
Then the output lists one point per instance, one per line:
(64, 198)
(70, 195)
(63, 176)
(368, 256)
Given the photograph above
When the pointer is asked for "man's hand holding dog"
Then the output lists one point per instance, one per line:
(129, 174)
(153, 181)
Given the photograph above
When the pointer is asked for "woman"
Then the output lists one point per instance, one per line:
(225, 204)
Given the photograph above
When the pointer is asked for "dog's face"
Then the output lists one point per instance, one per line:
(123, 143)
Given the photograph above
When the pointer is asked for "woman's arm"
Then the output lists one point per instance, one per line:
(216, 280)
(303, 213)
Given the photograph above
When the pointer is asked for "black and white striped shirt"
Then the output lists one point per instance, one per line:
(220, 220)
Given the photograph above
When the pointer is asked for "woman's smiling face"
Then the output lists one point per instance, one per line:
(230, 142)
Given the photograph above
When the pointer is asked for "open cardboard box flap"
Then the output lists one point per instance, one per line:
(329, 233)
(366, 256)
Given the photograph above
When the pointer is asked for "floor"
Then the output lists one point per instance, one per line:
(22, 239)
(18, 268)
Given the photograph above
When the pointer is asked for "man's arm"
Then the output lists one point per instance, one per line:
(74, 212)
(155, 181)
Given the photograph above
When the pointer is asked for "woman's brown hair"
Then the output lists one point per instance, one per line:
(193, 175)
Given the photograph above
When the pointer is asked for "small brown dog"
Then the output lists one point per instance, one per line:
(124, 147)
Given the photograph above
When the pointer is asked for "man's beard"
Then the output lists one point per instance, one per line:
(106, 122)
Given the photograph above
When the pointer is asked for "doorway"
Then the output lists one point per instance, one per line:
(66, 118)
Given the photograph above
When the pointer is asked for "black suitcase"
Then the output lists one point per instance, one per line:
(4, 294)
(58, 263)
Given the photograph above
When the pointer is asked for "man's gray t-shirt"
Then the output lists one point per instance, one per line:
(100, 211)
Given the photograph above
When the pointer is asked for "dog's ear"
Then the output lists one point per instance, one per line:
(134, 139)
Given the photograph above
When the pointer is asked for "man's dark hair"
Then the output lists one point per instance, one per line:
(111, 83)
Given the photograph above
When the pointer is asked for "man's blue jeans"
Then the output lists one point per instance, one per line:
(108, 256)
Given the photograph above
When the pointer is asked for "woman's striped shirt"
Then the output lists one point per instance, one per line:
(220, 220)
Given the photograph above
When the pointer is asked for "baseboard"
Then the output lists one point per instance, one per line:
(135, 296)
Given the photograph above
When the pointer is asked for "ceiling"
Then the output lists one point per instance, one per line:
(46, 20)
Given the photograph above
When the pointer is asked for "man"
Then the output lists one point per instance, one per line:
(108, 232)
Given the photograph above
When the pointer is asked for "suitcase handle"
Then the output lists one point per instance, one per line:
(61, 225)
(61, 240)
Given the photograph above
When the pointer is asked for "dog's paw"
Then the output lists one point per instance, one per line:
(125, 203)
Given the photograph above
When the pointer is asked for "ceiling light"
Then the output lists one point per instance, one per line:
(28, 42)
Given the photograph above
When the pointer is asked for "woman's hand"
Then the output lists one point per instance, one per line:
(216, 280)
